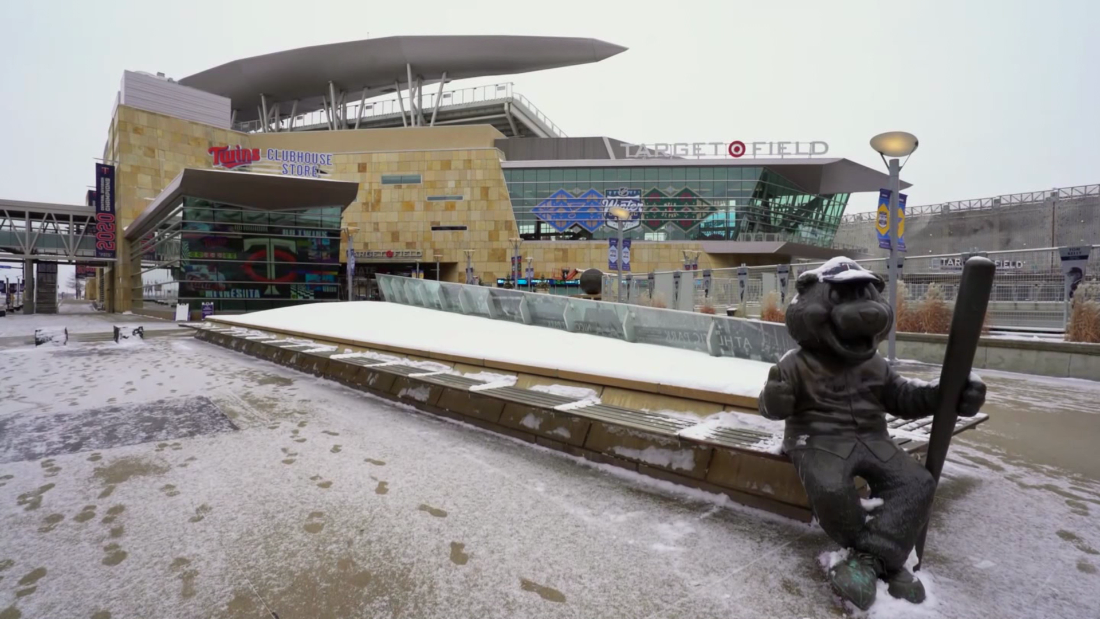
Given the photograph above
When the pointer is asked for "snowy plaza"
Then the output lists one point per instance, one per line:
(262, 491)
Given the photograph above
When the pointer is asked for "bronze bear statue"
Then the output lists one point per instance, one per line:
(834, 392)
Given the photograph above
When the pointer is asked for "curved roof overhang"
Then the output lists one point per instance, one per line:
(377, 65)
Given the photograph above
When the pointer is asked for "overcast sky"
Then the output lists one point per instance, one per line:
(1004, 95)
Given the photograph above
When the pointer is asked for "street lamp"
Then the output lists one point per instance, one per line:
(894, 144)
(621, 215)
(350, 232)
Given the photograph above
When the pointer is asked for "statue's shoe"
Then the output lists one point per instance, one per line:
(903, 585)
(854, 579)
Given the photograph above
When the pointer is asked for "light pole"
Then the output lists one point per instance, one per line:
(894, 144)
(516, 265)
(621, 216)
(350, 231)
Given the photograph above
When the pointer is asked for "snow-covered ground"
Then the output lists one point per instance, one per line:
(77, 317)
(419, 328)
(328, 503)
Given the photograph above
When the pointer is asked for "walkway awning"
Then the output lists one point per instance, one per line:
(267, 192)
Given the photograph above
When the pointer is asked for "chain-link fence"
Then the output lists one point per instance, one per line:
(1028, 289)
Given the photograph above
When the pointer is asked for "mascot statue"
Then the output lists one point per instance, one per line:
(834, 392)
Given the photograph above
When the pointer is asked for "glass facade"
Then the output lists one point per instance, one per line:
(725, 203)
(244, 259)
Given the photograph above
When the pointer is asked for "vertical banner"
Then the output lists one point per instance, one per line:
(207, 309)
(613, 254)
(882, 226)
(783, 272)
(106, 228)
(742, 283)
(624, 254)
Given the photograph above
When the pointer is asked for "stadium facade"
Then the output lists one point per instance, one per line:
(247, 182)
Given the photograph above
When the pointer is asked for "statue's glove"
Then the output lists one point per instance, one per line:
(973, 397)
(778, 396)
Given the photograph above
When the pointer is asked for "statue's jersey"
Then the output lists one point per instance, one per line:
(838, 403)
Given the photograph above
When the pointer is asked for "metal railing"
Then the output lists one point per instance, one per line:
(1028, 288)
(993, 202)
(718, 336)
(398, 105)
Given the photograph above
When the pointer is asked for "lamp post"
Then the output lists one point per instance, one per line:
(894, 144)
(350, 231)
(621, 215)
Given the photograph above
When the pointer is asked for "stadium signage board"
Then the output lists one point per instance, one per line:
(390, 254)
(273, 160)
(735, 149)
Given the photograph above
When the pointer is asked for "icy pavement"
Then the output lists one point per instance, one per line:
(324, 502)
(77, 317)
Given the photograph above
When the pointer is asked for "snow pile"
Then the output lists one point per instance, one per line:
(872, 504)
(492, 381)
(417, 328)
(566, 391)
(583, 396)
(682, 459)
(772, 443)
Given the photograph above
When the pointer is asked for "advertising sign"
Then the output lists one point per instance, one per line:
(629, 199)
(882, 226)
(390, 254)
(106, 228)
(1074, 260)
(783, 272)
(624, 254)
(271, 160)
(613, 254)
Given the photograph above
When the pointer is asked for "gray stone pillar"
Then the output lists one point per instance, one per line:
(45, 293)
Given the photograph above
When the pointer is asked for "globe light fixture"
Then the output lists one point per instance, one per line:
(895, 143)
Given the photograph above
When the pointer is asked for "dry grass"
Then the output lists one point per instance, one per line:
(708, 309)
(770, 310)
(929, 315)
(1084, 316)
(657, 301)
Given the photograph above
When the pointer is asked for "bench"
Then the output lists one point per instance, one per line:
(743, 463)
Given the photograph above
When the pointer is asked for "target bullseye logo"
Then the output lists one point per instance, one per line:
(736, 148)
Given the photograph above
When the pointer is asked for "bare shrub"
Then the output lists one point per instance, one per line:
(708, 309)
(935, 316)
(770, 310)
(1084, 316)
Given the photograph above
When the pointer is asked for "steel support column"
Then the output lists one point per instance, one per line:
(412, 108)
(400, 104)
(362, 101)
(263, 111)
(438, 98)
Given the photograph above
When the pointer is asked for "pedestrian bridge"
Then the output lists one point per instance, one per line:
(40, 230)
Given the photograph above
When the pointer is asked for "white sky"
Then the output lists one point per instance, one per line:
(1003, 94)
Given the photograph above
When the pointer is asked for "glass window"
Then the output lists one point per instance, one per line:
(706, 174)
(679, 174)
(692, 174)
(664, 175)
(622, 175)
(529, 176)
(570, 175)
(401, 179)
(636, 174)
(544, 176)
(597, 174)
(651, 174)
(556, 175)
(584, 175)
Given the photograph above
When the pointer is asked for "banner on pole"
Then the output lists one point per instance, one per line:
(624, 254)
(613, 254)
(106, 228)
(882, 225)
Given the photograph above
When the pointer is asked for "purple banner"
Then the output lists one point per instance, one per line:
(106, 228)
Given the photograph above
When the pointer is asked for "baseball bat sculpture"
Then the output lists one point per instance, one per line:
(962, 343)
